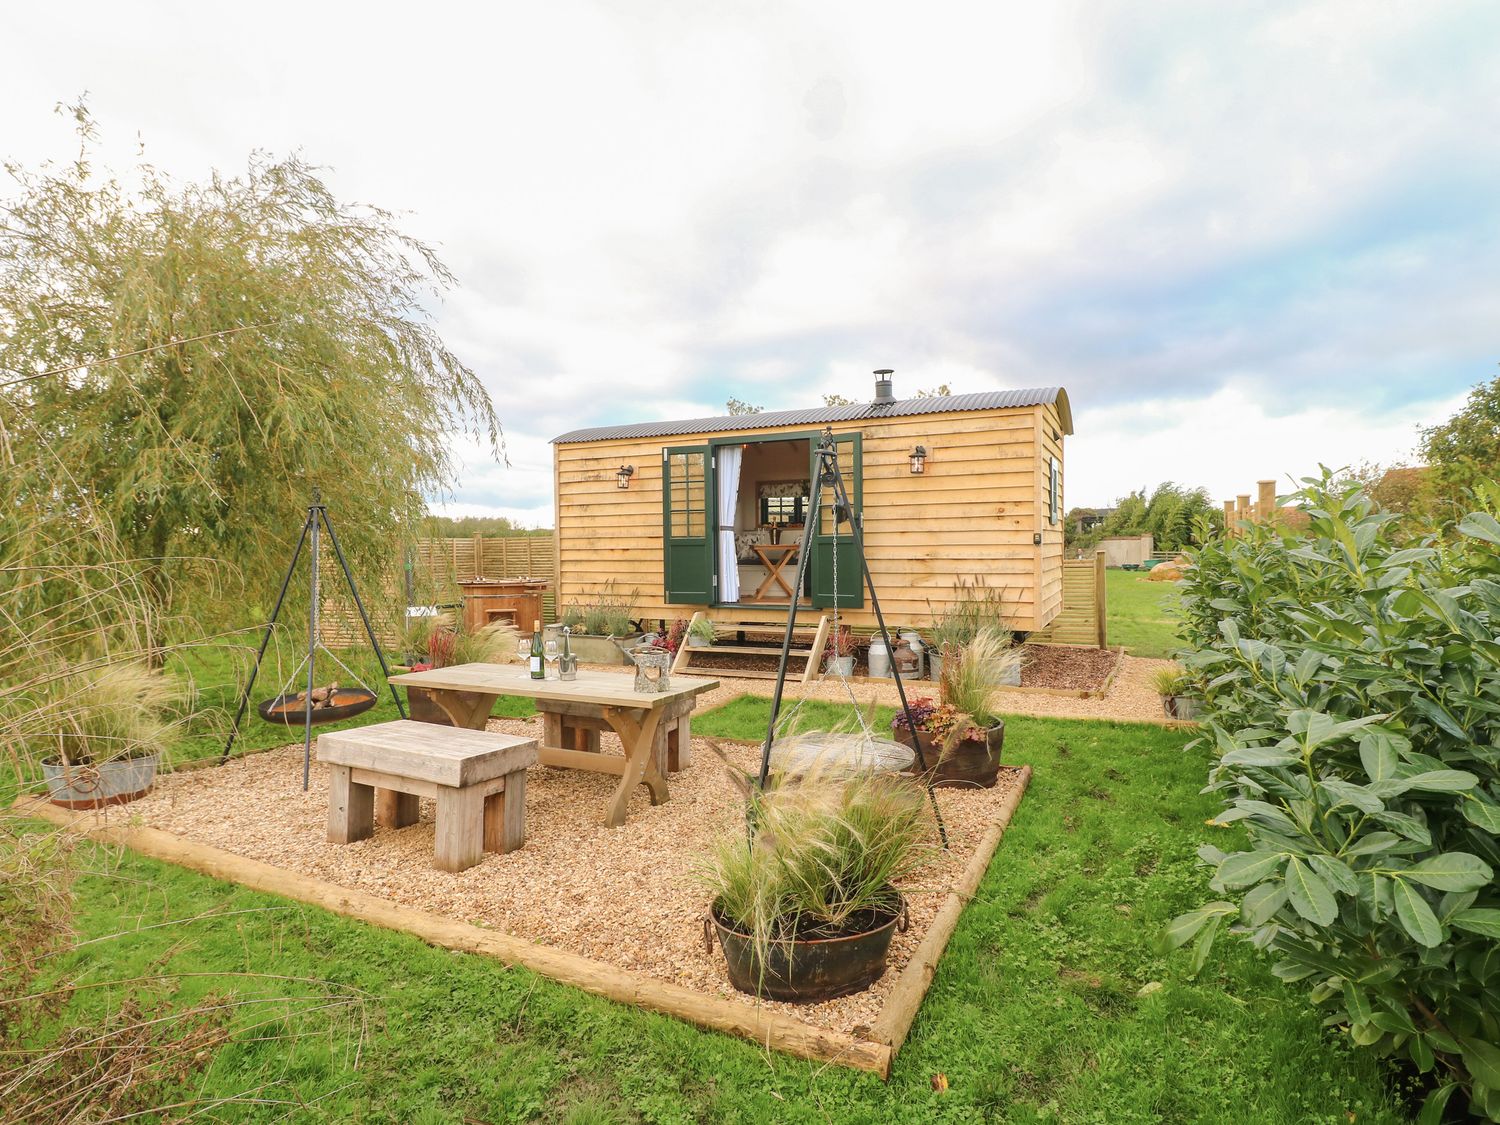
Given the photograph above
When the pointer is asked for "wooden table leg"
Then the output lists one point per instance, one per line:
(351, 807)
(680, 744)
(396, 810)
(638, 739)
(460, 828)
(471, 714)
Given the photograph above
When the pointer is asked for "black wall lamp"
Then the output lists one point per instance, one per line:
(919, 459)
(622, 478)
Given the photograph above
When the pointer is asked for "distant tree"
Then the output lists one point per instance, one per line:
(735, 406)
(1167, 514)
(1465, 450)
(196, 358)
(840, 400)
(1397, 487)
(463, 527)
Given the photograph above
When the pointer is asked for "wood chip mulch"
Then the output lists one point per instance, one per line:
(625, 896)
(1056, 666)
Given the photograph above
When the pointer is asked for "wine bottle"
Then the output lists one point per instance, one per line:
(538, 660)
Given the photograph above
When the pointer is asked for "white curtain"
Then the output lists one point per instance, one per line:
(729, 496)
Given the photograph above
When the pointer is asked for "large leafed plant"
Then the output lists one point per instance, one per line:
(1351, 691)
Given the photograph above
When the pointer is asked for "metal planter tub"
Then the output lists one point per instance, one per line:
(1180, 707)
(114, 782)
(807, 970)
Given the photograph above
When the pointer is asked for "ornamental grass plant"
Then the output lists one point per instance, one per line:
(115, 711)
(826, 851)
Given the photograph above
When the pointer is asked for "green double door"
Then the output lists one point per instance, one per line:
(690, 527)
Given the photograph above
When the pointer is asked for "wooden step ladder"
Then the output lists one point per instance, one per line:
(814, 639)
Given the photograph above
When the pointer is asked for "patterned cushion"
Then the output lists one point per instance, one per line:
(742, 541)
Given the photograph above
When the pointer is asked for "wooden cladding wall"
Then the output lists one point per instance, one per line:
(1084, 605)
(972, 513)
(437, 565)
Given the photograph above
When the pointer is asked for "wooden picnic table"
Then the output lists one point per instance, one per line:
(774, 557)
(467, 692)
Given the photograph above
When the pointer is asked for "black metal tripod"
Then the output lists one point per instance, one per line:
(828, 475)
(317, 516)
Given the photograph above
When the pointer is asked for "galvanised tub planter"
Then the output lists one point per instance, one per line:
(75, 786)
(806, 970)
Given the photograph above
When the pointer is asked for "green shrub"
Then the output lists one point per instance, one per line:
(1351, 698)
(608, 615)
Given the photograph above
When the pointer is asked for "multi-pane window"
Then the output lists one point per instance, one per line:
(783, 510)
(689, 507)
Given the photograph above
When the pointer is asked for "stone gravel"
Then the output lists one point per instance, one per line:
(626, 896)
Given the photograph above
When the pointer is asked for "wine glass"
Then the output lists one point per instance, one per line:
(551, 648)
(523, 648)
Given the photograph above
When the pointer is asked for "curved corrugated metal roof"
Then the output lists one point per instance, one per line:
(937, 404)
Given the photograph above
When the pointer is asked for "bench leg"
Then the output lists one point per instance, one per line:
(505, 815)
(395, 810)
(460, 828)
(351, 807)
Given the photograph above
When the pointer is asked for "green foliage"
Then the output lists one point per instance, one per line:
(975, 607)
(494, 644)
(120, 710)
(826, 848)
(1352, 688)
(197, 357)
(1169, 514)
(702, 628)
(972, 674)
(735, 407)
(1465, 450)
(608, 614)
(466, 527)
(1034, 1012)
(1409, 490)
(1168, 680)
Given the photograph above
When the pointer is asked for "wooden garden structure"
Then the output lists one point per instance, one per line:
(947, 488)
(1241, 510)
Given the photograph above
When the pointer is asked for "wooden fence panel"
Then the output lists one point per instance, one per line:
(1082, 620)
(436, 568)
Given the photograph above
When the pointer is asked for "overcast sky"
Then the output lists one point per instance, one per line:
(1245, 237)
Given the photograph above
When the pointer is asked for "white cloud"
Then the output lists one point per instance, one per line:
(1231, 439)
(653, 207)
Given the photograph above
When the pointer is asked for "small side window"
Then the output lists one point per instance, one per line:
(1054, 489)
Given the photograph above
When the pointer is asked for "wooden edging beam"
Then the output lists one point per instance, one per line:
(770, 1029)
(900, 1010)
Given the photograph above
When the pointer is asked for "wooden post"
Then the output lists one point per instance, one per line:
(1229, 519)
(1266, 505)
(1242, 507)
(1100, 599)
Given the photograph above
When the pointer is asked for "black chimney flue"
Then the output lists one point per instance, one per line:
(883, 392)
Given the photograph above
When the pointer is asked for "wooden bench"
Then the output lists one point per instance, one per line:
(477, 778)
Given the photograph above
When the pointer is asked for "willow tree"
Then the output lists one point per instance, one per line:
(199, 356)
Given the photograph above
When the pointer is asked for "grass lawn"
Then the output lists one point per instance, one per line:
(1141, 615)
(1034, 1015)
